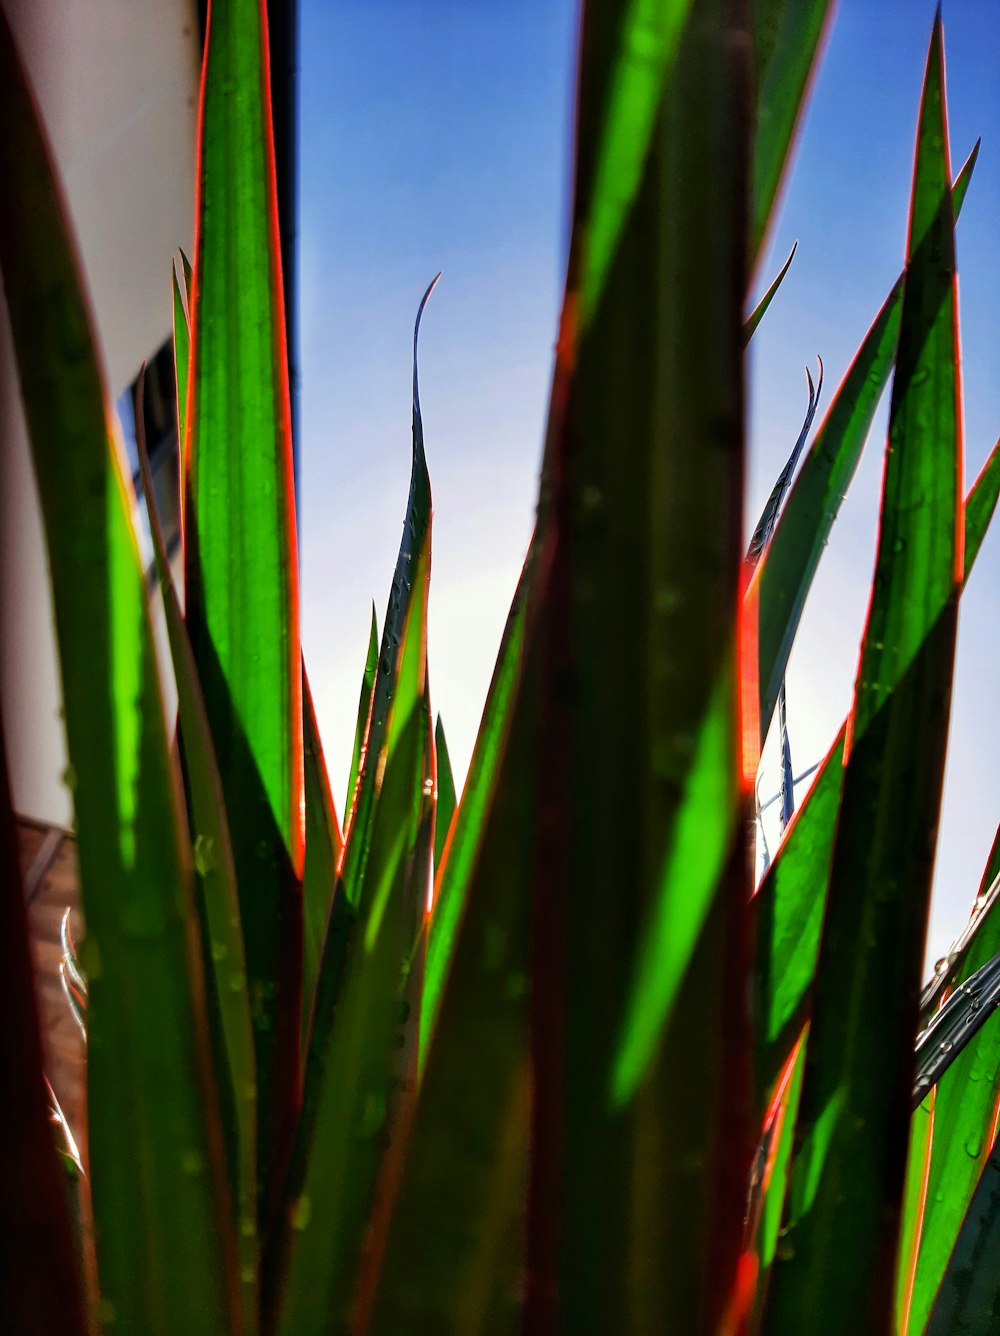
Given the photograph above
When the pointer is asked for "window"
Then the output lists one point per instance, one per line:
(160, 420)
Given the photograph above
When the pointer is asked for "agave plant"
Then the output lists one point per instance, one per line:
(487, 1065)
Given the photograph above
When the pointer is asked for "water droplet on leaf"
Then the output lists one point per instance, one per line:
(204, 855)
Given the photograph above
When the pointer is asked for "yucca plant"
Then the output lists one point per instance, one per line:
(489, 1065)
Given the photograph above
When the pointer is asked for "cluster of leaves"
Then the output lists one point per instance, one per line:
(488, 1065)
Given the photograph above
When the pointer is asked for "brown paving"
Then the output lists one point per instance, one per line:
(65, 1052)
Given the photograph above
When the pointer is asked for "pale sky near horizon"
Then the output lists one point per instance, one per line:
(435, 134)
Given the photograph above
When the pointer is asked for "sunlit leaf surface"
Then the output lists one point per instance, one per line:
(785, 572)
(151, 1108)
(845, 1194)
(241, 582)
(643, 484)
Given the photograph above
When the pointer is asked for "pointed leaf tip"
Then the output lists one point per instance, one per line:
(416, 334)
(420, 309)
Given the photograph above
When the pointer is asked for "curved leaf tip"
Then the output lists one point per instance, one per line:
(418, 426)
(416, 334)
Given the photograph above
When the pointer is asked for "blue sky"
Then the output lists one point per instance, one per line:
(435, 134)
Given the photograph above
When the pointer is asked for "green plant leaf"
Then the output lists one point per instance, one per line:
(914, 1205)
(416, 527)
(453, 876)
(980, 506)
(969, 1298)
(769, 515)
(787, 35)
(845, 1196)
(182, 353)
(638, 746)
(353, 1092)
(240, 554)
(965, 1115)
(218, 905)
(153, 1120)
(758, 312)
(447, 798)
(452, 1256)
(785, 572)
(770, 1178)
(791, 900)
(364, 711)
(625, 73)
(40, 1284)
(789, 908)
(372, 946)
(324, 844)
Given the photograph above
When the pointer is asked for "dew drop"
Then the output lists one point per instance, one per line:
(204, 855)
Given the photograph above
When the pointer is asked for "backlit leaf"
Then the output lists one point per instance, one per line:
(152, 1113)
(758, 312)
(241, 582)
(784, 575)
(845, 1195)
(352, 1093)
(447, 799)
(787, 35)
(791, 900)
(218, 902)
(416, 527)
(642, 485)
(323, 849)
(452, 1257)
(452, 877)
(364, 713)
(964, 1125)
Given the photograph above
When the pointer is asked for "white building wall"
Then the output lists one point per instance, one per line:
(117, 84)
